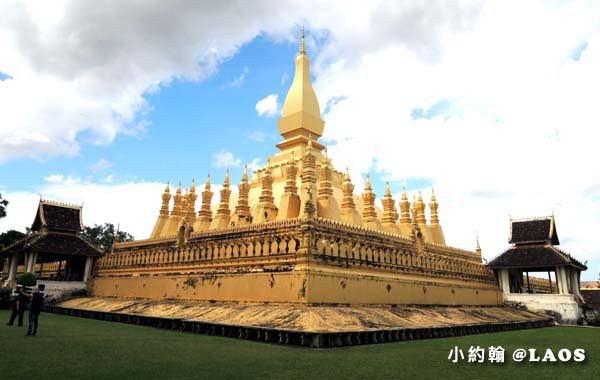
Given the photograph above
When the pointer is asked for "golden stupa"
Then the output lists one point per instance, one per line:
(296, 233)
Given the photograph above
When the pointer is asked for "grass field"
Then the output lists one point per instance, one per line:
(68, 347)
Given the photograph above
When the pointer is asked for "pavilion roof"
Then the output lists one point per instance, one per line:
(55, 216)
(532, 231)
(54, 243)
(534, 256)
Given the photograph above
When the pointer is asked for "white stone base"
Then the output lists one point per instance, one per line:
(58, 289)
(563, 304)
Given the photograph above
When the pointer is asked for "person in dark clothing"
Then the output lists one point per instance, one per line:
(37, 301)
(20, 301)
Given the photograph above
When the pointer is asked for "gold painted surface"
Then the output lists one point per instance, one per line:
(304, 318)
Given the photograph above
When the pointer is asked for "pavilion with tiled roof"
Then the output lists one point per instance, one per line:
(534, 249)
(55, 249)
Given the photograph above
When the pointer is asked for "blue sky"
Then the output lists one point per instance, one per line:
(187, 122)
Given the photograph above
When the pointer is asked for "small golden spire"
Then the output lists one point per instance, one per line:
(390, 214)
(168, 188)
(193, 186)
(477, 247)
(207, 184)
(433, 208)
(226, 181)
(404, 208)
(302, 45)
(368, 186)
(421, 210)
(245, 175)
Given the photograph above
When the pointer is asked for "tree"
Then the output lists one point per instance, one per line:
(9, 237)
(3, 204)
(27, 279)
(6, 239)
(103, 236)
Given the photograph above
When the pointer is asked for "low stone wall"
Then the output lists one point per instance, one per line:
(563, 306)
(59, 289)
(305, 326)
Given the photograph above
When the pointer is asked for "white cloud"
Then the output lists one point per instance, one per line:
(511, 125)
(284, 78)
(101, 165)
(512, 121)
(256, 163)
(54, 178)
(225, 159)
(134, 206)
(268, 106)
(260, 136)
(239, 80)
(77, 70)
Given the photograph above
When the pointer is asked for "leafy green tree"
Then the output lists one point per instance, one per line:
(3, 204)
(103, 236)
(9, 237)
(27, 279)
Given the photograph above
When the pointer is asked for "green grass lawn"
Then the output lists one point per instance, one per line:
(68, 347)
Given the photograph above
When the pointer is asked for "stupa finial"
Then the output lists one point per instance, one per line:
(302, 45)
(245, 175)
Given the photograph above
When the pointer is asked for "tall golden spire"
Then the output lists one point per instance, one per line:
(369, 216)
(404, 209)
(390, 215)
(421, 210)
(302, 46)
(301, 113)
(266, 210)
(223, 216)
(291, 170)
(289, 205)
(161, 224)
(205, 214)
(191, 207)
(433, 208)
(166, 197)
(348, 212)
(327, 205)
(177, 200)
(241, 215)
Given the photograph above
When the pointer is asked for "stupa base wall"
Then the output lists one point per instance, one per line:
(321, 285)
(286, 287)
(331, 285)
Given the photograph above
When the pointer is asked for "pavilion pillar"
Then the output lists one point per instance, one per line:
(30, 259)
(575, 281)
(504, 283)
(12, 270)
(88, 268)
(561, 280)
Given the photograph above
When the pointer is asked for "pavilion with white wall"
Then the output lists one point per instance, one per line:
(534, 250)
(54, 251)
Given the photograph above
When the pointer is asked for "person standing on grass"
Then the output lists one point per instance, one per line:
(19, 301)
(37, 301)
